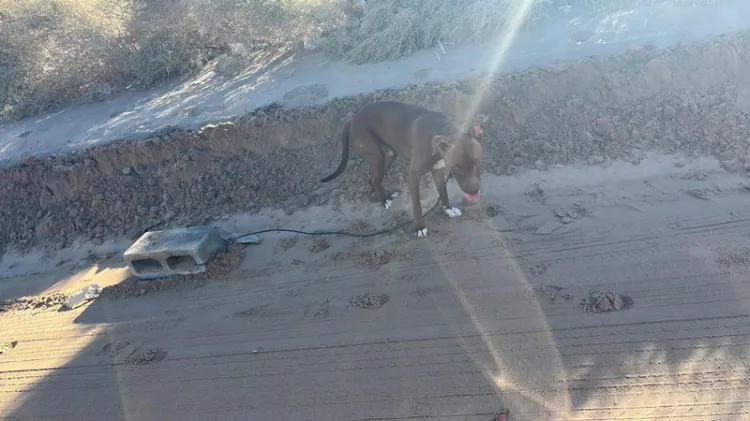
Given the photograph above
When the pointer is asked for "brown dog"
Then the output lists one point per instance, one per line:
(383, 130)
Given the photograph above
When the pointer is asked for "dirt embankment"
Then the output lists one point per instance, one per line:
(692, 100)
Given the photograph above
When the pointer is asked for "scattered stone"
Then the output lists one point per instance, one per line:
(41, 302)
(127, 171)
(599, 301)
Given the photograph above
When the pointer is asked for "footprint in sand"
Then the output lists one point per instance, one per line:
(369, 300)
(324, 308)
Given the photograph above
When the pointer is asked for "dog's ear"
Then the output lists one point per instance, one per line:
(441, 144)
(476, 131)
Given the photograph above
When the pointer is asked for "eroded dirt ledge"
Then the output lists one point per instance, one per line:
(692, 100)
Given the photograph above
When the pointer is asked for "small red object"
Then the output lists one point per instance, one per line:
(502, 416)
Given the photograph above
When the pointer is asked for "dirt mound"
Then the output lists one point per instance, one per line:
(690, 100)
(40, 302)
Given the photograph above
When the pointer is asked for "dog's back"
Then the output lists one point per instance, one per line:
(393, 122)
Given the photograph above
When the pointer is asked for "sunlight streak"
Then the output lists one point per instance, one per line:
(516, 22)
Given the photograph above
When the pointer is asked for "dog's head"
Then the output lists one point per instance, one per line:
(462, 154)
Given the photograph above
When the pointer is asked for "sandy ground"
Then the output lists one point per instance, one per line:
(306, 79)
(483, 315)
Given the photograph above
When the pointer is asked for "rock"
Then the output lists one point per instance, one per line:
(518, 161)
(127, 171)
(43, 230)
(595, 159)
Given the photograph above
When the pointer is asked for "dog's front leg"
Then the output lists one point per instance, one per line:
(416, 206)
(438, 176)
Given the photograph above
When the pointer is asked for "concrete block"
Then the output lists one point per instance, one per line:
(179, 251)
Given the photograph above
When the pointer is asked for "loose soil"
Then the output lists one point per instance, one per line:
(690, 100)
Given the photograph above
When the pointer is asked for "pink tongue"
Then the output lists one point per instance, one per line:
(473, 197)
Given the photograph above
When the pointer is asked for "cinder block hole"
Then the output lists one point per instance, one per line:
(182, 263)
(145, 266)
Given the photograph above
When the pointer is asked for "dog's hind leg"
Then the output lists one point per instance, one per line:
(367, 146)
(389, 156)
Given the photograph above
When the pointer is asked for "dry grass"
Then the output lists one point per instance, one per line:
(392, 29)
(395, 28)
(55, 52)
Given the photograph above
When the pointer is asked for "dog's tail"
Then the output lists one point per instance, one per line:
(344, 155)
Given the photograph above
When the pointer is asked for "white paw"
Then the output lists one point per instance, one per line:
(421, 233)
(388, 203)
(452, 212)
(395, 195)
